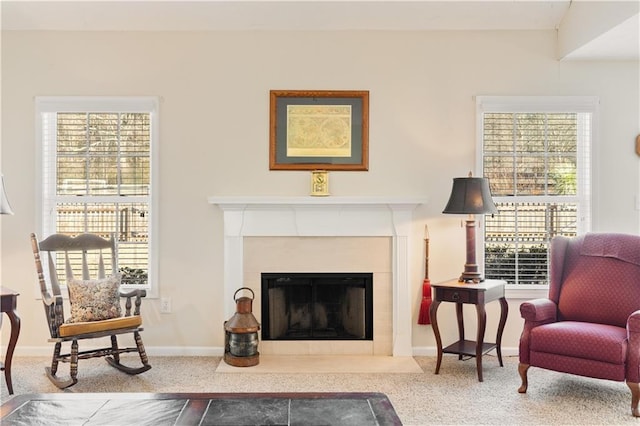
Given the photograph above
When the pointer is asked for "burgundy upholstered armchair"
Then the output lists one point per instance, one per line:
(590, 324)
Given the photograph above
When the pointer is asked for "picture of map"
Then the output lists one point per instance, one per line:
(319, 130)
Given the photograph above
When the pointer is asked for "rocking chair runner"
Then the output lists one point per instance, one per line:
(83, 248)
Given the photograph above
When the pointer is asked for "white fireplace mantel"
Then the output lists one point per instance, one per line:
(324, 216)
(235, 202)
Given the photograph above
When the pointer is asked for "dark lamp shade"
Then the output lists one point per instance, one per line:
(470, 195)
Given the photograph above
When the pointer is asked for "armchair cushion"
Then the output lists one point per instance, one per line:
(600, 342)
(94, 300)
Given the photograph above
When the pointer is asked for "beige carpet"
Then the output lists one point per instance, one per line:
(420, 398)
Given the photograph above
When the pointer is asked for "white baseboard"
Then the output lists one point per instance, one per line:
(47, 351)
(209, 351)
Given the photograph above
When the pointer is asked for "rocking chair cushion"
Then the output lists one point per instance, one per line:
(75, 329)
(94, 300)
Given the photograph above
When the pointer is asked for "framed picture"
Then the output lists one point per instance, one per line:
(319, 129)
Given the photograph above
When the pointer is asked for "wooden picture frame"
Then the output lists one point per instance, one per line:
(319, 130)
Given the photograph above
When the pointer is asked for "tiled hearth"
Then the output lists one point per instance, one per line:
(324, 234)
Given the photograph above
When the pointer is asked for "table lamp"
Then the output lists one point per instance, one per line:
(470, 196)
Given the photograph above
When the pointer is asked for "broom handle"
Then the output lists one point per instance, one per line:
(426, 252)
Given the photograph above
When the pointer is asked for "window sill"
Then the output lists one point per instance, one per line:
(152, 292)
(523, 291)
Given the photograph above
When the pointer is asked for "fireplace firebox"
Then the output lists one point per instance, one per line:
(317, 306)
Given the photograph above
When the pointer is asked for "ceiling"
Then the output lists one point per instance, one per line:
(620, 41)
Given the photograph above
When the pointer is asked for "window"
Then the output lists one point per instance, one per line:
(96, 163)
(535, 151)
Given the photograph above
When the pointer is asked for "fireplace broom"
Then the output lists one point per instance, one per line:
(423, 317)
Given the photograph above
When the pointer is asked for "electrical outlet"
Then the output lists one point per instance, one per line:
(165, 305)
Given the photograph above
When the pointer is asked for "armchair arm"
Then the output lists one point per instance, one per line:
(535, 312)
(633, 355)
(138, 294)
(539, 311)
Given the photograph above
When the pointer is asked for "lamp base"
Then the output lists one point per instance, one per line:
(471, 273)
(473, 277)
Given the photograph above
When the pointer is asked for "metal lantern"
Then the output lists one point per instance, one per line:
(241, 333)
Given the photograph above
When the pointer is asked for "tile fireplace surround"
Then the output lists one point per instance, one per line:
(309, 220)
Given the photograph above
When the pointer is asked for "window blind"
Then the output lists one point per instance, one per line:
(536, 156)
(97, 175)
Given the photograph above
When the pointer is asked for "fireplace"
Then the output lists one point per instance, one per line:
(261, 234)
(317, 306)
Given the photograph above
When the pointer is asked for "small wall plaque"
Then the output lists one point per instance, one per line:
(319, 183)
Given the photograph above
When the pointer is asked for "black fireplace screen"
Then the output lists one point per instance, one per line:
(317, 306)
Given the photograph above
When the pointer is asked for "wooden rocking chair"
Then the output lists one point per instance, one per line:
(92, 314)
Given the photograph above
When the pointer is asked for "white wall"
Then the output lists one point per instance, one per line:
(214, 141)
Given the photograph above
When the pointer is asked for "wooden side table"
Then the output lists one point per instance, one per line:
(9, 302)
(477, 294)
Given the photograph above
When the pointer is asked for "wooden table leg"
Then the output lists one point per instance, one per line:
(433, 316)
(482, 325)
(15, 331)
(460, 319)
(504, 309)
